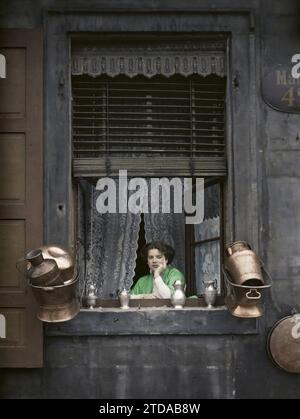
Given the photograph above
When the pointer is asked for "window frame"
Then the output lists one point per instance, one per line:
(190, 243)
(191, 82)
(242, 192)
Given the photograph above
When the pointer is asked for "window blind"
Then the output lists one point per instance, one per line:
(158, 126)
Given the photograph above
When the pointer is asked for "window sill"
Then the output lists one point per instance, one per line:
(153, 321)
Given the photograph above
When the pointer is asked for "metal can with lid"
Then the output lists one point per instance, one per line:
(42, 272)
(243, 264)
(64, 259)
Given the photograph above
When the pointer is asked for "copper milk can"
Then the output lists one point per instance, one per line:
(64, 259)
(243, 264)
(42, 272)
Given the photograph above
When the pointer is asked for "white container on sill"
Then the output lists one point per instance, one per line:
(178, 297)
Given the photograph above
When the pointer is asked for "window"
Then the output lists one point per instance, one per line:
(151, 126)
(204, 248)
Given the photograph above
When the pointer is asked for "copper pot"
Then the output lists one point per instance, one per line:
(245, 300)
(283, 343)
(57, 304)
(243, 264)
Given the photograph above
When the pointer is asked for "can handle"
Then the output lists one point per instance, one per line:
(18, 264)
(48, 288)
(255, 297)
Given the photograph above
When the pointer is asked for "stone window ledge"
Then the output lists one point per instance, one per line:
(153, 321)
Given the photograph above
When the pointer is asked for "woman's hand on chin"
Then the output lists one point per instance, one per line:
(158, 271)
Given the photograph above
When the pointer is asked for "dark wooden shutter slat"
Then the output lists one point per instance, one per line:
(160, 166)
(136, 118)
(21, 204)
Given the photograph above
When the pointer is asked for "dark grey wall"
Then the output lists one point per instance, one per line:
(152, 367)
(232, 365)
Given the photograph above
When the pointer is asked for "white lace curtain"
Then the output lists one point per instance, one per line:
(96, 64)
(207, 233)
(207, 255)
(108, 243)
(166, 58)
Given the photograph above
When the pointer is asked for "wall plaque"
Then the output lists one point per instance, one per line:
(281, 90)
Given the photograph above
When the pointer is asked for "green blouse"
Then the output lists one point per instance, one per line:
(145, 284)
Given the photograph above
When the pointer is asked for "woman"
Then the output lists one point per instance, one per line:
(160, 281)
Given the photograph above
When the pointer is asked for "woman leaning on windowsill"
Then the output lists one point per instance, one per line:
(159, 283)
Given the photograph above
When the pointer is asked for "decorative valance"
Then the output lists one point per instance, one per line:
(184, 59)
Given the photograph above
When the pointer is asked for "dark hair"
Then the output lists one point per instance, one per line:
(164, 248)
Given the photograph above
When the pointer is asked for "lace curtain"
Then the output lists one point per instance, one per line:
(207, 253)
(167, 226)
(96, 64)
(133, 58)
(107, 243)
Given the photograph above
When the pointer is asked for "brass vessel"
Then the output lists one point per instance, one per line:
(243, 264)
(40, 271)
(64, 259)
(245, 300)
(57, 303)
(283, 343)
(53, 278)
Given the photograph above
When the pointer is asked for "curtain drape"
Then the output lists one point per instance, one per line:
(207, 255)
(108, 243)
(108, 246)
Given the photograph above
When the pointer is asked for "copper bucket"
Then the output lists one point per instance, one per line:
(243, 264)
(245, 300)
(58, 303)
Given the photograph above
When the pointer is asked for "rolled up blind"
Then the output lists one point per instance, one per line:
(149, 126)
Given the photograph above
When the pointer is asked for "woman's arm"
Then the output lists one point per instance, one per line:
(160, 289)
(163, 288)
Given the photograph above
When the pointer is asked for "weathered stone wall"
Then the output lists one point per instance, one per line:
(193, 366)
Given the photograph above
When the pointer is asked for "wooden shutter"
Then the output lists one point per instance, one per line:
(21, 210)
(158, 126)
